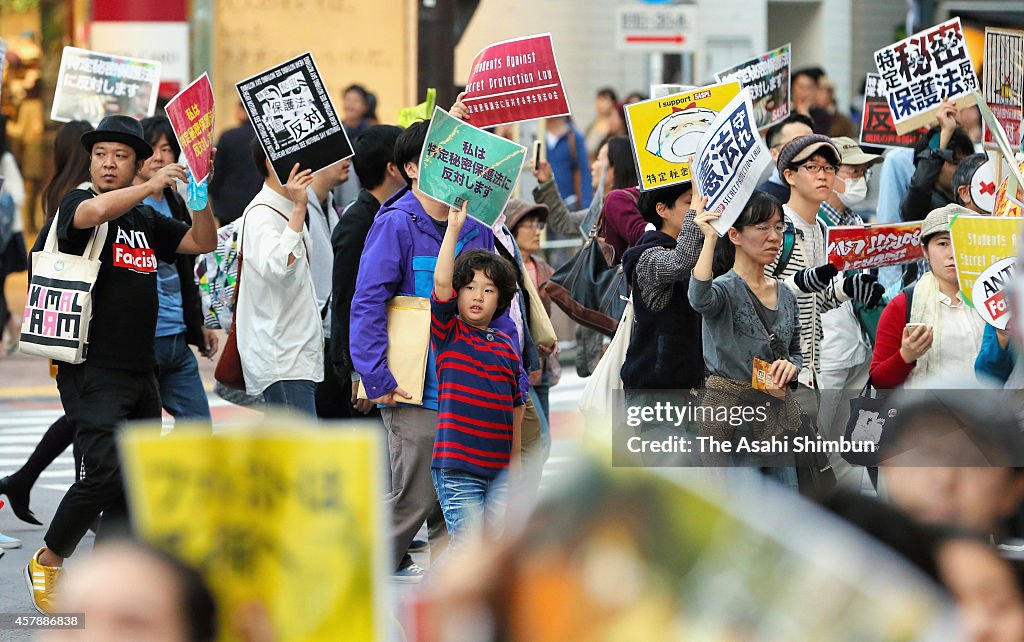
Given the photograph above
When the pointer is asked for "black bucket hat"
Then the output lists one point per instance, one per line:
(119, 129)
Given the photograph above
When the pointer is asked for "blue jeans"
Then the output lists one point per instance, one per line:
(465, 498)
(177, 373)
(294, 395)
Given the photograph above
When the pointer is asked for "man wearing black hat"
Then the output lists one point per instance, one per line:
(116, 383)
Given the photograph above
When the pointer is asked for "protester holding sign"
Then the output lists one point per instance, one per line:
(936, 157)
(279, 329)
(665, 342)
(809, 165)
(747, 315)
(121, 359)
(399, 257)
(180, 318)
(928, 328)
(469, 465)
(778, 136)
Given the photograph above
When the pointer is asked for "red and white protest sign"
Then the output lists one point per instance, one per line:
(860, 247)
(191, 116)
(513, 81)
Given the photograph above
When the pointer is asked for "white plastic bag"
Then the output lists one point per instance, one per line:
(601, 386)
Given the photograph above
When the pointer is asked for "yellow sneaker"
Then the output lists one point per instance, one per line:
(42, 583)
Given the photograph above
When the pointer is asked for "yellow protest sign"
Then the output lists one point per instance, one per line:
(1009, 198)
(664, 132)
(286, 514)
(978, 242)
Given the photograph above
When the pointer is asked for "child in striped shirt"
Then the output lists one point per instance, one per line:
(480, 404)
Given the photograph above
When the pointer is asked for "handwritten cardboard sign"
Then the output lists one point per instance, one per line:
(860, 247)
(515, 80)
(191, 116)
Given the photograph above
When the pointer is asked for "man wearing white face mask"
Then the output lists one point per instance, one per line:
(846, 347)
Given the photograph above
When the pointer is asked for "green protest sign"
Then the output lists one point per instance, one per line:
(462, 163)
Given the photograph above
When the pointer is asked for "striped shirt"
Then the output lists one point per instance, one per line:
(478, 377)
(812, 306)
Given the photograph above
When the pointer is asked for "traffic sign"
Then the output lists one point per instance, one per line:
(656, 28)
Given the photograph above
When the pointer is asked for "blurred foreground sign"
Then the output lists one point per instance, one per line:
(285, 514)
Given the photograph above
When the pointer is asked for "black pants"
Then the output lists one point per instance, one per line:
(98, 401)
(334, 393)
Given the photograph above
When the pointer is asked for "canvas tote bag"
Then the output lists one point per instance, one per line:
(58, 311)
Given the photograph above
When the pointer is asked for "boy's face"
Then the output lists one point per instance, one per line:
(478, 300)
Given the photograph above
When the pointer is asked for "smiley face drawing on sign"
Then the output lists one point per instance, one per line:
(676, 136)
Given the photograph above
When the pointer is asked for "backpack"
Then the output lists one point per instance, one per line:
(216, 274)
(788, 241)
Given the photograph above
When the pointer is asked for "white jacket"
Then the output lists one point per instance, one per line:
(280, 337)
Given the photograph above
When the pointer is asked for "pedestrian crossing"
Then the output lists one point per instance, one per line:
(20, 431)
(22, 428)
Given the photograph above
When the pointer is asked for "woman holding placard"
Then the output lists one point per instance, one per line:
(927, 328)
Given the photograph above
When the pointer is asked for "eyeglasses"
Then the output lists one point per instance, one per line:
(536, 225)
(853, 171)
(817, 169)
(779, 228)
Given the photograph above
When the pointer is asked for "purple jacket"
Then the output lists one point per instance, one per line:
(398, 259)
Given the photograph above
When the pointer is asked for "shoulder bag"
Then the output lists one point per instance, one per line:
(229, 367)
(58, 312)
(588, 288)
(814, 473)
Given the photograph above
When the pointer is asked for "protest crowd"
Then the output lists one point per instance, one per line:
(787, 288)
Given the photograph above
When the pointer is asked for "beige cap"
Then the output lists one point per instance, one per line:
(938, 219)
(851, 153)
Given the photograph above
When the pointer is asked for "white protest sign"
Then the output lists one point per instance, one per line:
(730, 160)
(989, 292)
(92, 85)
(923, 70)
(983, 185)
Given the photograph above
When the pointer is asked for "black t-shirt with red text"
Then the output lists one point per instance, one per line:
(124, 307)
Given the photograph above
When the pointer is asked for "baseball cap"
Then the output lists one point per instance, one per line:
(800, 149)
(850, 152)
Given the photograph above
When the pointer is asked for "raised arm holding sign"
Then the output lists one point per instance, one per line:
(191, 115)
